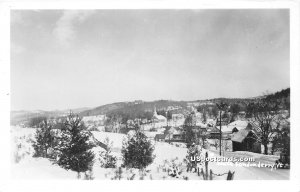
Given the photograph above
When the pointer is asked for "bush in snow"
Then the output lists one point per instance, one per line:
(174, 168)
(75, 146)
(107, 160)
(137, 151)
(18, 155)
(44, 140)
(118, 174)
(89, 175)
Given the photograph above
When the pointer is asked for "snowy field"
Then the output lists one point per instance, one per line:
(24, 166)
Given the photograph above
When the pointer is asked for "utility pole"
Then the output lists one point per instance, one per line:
(222, 107)
(167, 118)
(220, 132)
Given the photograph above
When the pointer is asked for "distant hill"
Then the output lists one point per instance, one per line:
(133, 109)
(24, 116)
(139, 108)
(144, 109)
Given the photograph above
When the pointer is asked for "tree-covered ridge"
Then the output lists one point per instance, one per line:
(144, 109)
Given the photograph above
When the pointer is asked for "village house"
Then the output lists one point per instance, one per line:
(241, 115)
(177, 119)
(213, 132)
(159, 137)
(246, 140)
(229, 129)
(174, 134)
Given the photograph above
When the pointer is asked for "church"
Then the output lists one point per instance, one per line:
(158, 120)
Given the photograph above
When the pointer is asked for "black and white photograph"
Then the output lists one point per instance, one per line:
(150, 94)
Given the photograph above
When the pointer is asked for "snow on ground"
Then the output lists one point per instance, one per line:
(27, 167)
(40, 168)
(257, 156)
(116, 138)
(21, 143)
(258, 173)
(165, 151)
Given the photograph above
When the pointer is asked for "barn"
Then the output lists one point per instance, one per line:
(245, 140)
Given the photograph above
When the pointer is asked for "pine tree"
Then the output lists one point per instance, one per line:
(137, 151)
(44, 139)
(107, 160)
(192, 153)
(75, 146)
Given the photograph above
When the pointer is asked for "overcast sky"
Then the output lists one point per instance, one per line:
(62, 59)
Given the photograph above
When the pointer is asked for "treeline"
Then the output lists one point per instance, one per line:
(282, 98)
(133, 110)
(285, 93)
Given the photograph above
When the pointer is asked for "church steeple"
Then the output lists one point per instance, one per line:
(154, 112)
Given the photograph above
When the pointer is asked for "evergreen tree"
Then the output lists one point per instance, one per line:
(189, 124)
(137, 151)
(192, 153)
(75, 147)
(107, 160)
(204, 116)
(234, 109)
(44, 139)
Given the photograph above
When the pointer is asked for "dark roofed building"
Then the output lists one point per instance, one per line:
(245, 140)
(213, 133)
(174, 134)
(159, 137)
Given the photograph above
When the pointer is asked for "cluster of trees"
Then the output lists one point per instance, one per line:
(272, 126)
(209, 109)
(37, 121)
(70, 147)
(117, 121)
(124, 116)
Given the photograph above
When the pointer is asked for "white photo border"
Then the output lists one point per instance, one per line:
(8, 184)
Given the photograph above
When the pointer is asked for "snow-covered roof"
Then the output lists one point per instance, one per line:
(175, 130)
(213, 130)
(177, 115)
(241, 135)
(159, 117)
(210, 121)
(159, 136)
(225, 129)
(150, 134)
(239, 124)
(93, 118)
(199, 123)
